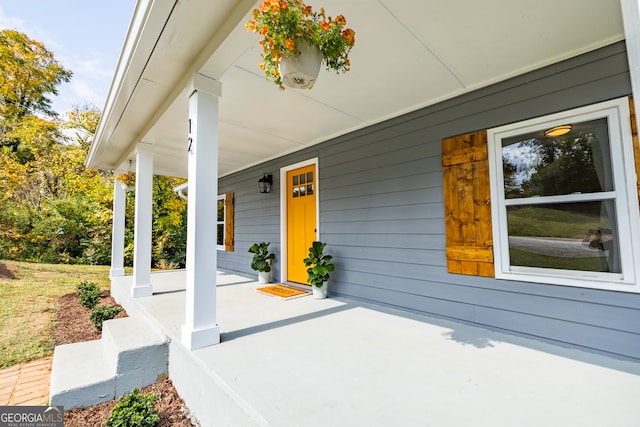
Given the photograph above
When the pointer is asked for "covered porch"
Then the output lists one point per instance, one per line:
(343, 362)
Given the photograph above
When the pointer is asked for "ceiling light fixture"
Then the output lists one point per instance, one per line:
(557, 131)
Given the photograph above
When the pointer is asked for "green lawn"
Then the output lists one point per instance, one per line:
(530, 259)
(28, 304)
(541, 221)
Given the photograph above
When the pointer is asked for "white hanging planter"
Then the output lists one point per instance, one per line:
(320, 292)
(301, 72)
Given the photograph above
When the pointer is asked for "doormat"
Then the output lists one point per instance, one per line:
(282, 291)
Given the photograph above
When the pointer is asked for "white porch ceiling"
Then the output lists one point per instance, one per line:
(408, 54)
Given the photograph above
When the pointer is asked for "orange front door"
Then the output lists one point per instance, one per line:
(301, 220)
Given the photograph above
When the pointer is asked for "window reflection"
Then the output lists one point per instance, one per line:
(220, 234)
(570, 236)
(220, 210)
(577, 162)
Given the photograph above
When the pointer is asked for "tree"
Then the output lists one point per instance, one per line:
(53, 208)
(30, 75)
(565, 166)
(84, 120)
(57, 210)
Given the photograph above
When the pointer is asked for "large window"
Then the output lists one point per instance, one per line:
(564, 202)
(220, 222)
(224, 222)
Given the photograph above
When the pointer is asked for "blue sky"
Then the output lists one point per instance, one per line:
(86, 36)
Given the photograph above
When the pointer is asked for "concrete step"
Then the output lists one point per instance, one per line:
(139, 353)
(81, 375)
(129, 354)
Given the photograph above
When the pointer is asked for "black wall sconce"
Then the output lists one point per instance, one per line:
(264, 183)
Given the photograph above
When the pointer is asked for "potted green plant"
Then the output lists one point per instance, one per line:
(320, 266)
(289, 28)
(261, 261)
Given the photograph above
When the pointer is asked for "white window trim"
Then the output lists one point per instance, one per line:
(223, 222)
(628, 217)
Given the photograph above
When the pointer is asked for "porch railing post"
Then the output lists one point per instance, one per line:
(201, 328)
(117, 231)
(143, 219)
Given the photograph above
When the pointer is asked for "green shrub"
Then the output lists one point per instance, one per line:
(134, 410)
(89, 294)
(100, 314)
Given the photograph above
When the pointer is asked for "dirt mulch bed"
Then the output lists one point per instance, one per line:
(169, 405)
(73, 325)
(72, 320)
(7, 271)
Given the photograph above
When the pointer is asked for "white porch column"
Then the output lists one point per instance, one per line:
(201, 328)
(143, 219)
(631, 20)
(117, 231)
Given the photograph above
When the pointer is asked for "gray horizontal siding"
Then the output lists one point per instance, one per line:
(382, 213)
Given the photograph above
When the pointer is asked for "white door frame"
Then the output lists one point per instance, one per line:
(283, 210)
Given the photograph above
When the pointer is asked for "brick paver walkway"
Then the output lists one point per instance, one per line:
(26, 383)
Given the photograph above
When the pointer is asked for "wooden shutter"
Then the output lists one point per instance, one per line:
(636, 142)
(228, 222)
(467, 204)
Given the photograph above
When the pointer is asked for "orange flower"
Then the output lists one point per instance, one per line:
(340, 20)
(250, 26)
(307, 10)
(325, 25)
(265, 6)
(283, 4)
(262, 66)
(349, 35)
(290, 44)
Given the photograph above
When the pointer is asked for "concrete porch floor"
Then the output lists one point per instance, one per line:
(340, 362)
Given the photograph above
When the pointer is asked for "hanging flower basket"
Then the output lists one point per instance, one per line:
(287, 27)
(127, 180)
(301, 71)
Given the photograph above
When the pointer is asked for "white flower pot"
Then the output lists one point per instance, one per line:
(264, 276)
(301, 72)
(320, 292)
